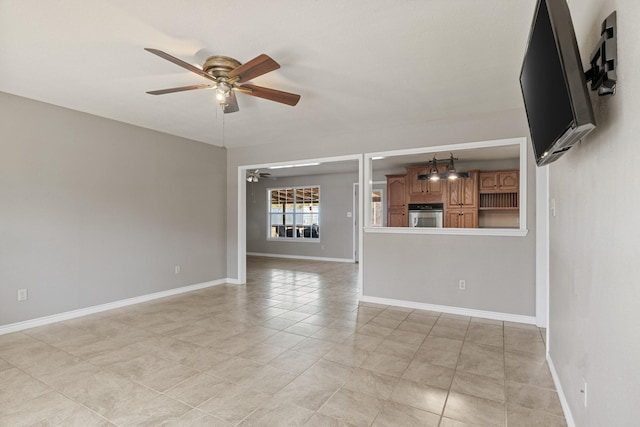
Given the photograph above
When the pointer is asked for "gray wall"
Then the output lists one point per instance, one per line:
(94, 211)
(336, 230)
(595, 240)
(510, 289)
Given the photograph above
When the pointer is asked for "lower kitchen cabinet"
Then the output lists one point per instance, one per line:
(461, 218)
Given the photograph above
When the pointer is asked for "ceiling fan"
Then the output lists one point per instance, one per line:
(255, 175)
(225, 74)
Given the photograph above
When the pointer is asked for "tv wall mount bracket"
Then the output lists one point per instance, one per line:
(604, 59)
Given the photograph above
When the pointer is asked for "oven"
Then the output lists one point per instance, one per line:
(426, 215)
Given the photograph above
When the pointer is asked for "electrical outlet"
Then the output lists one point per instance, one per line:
(462, 285)
(177, 269)
(584, 391)
(22, 295)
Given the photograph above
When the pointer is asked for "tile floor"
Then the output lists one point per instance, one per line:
(291, 348)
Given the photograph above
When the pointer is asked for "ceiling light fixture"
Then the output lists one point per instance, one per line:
(434, 174)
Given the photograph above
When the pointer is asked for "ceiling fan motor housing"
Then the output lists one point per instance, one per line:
(220, 66)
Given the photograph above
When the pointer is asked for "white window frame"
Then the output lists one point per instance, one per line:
(294, 213)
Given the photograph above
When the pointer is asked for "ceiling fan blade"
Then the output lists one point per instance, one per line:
(178, 89)
(180, 63)
(258, 66)
(270, 94)
(232, 104)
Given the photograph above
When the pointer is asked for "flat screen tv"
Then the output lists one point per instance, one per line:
(554, 88)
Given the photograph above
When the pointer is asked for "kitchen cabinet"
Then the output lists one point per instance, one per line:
(461, 218)
(396, 201)
(463, 192)
(424, 191)
(502, 181)
(461, 207)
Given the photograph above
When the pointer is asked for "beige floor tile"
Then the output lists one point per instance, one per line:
(278, 323)
(204, 359)
(61, 377)
(232, 402)
(262, 353)
(437, 356)
(394, 414)
(17, 389)
(443, 343)
(305, 329)
(375, 330)
(386, 364)
(415, 326)
(387, 322)
(150, 413)
(276, 412)
(314, 347)
(4, 365)
(448, 422)
(452, 322)
(46, 409)
(293, 361)
(154, 372)
(474, 410)
(352, 407)
(539, 399)
(485, 335)
(320, 420)
(170, 348)
(284, 340)
(482, 360)
(371, 383)
(108, 394)
(195, 390)
(197, 418)
(309, 391)
(479, 386)
(427, 398)
(429, 374)
(333, 335)
(521, 368)
(363, 342)
(446, 332)
(524, 417)
(393, 348)
(347, 355)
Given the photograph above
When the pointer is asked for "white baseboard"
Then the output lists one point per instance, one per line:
(495, 315)
(19, 326)
(563, 399)
(310, 258)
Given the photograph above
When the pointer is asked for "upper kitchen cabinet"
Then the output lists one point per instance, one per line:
(502, 181)
(424, 190)
(463, 192)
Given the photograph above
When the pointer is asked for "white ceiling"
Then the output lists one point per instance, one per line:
(357, 64)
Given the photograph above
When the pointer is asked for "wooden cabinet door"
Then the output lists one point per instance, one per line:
(488, 181)
(463, 192)
(396, 194)
(468, 218)
(469, 190)
(396, 201)
(417, 188)
(509, 181)
(461, 218)
(397, 218)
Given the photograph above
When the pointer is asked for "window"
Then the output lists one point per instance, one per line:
(294, 213)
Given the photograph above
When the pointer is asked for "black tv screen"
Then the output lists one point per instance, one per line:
(553, 84)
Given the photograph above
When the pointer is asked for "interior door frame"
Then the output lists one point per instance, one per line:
(358, 229)
(242, 207)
